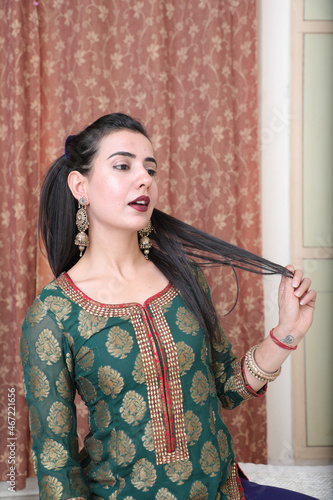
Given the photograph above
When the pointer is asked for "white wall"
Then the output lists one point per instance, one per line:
(274, 100)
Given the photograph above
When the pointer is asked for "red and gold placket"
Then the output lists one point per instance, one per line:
(161, 365)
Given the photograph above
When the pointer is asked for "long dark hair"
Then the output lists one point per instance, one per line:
(177, 247)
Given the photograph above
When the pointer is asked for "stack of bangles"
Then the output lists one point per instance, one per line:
(254, 369)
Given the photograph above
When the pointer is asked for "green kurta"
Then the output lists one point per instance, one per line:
(154, 388)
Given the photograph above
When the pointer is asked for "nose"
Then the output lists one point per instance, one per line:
(143, 179)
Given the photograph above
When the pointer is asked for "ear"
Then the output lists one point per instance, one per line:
(78, 185)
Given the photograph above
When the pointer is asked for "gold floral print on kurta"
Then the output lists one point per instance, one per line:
(110, 381)
(209, 459)
(38, 383)
(185, 357)
(103, 474)
(85, 358)
(36, 313)
(61, 307)
(164, 494)
(125, 449)
(198, 491)
(179, 472)
(143, 475)
(121, 481)
(138, 373)
(70, 340)
(89, 324)
(133, 408)
(119, 343)
(147, 438)
(64, 385)
(112, 444)
(121, 448)
(223, 444)
(34, 460)
(102, 415)
(51, 286)
(212, 386)
(34, 422)
(51, 488)
(54, 456)
(77, 481)
(199, 388)
(186, 321)
(94, 448)
(193, 427)
(86, 390)
(219, 371)
(69, 362)
(60, 419)
(222, 345)
(47, 347)
(204, 352)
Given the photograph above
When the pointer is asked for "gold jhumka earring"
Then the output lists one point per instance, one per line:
(82, 223)
(145, 243)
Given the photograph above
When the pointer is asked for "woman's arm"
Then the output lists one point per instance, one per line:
(49, 382)
(296, 309)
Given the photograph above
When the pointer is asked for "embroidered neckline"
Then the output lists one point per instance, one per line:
(108, 310)
(159, 359)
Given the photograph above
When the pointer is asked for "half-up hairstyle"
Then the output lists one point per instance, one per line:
(177, 247)
(58, 206)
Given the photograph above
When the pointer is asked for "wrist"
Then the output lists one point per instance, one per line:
(270, 356)
(286, 336)
(288, 342)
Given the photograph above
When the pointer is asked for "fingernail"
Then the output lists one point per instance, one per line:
(295, 284)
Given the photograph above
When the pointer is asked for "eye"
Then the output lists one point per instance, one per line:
(151, 171)
(121, 166)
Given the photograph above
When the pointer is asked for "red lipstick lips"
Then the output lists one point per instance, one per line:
(140, 204)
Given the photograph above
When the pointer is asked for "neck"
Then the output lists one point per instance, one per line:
(117, 253)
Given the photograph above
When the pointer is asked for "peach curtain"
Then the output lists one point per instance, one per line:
(188, 70)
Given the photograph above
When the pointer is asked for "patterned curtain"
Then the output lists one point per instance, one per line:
(188, 70)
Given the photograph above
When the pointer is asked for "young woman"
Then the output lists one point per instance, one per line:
(129, 323)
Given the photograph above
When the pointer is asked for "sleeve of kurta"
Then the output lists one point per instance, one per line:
(49, 384)
(228, 370)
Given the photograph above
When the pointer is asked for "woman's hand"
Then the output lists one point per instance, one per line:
(296, 307)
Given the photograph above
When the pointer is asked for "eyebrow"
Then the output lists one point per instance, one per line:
(131, 155)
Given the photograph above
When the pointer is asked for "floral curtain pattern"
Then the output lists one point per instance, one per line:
(188, 71)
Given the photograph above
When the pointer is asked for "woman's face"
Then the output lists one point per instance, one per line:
(121, 188)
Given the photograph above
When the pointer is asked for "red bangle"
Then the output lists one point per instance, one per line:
(280, 344)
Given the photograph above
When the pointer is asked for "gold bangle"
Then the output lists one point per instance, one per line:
(254, 369)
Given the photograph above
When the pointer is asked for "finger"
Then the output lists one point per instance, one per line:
(309, 299)
(290, 268)
(298, 276)
(303, 287)
(285, 279)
